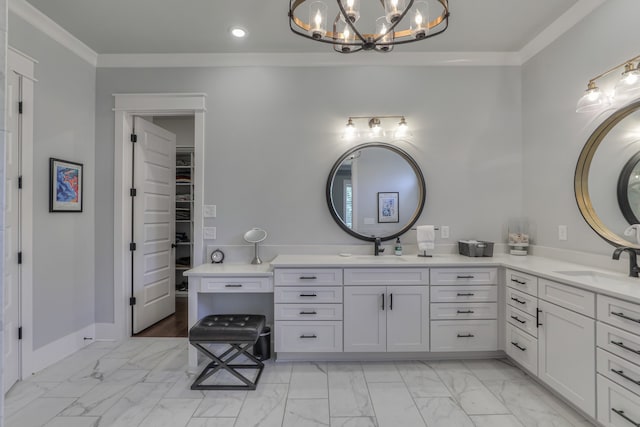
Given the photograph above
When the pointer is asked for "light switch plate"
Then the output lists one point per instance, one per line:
(444, 232)
(562, 232)
(209, 211)
(209, 233)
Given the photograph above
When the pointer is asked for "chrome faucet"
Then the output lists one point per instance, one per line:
(377, 246)
(633, 261)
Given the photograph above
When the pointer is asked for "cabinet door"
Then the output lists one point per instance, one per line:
(407, 318)
(365, 309)
(566, 356)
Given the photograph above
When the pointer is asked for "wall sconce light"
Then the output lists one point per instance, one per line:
(376, 129)
(627, 88)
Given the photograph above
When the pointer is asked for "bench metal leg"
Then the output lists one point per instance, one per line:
(222, 363)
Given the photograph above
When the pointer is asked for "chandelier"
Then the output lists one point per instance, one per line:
(347, 37)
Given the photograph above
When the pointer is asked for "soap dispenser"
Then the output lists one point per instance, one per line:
(398, 249)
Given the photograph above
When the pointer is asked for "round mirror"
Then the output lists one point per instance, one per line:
(255, 235)
(375, 190)
(606, 171)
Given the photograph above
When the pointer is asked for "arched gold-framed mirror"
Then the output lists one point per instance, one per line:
(584, 168)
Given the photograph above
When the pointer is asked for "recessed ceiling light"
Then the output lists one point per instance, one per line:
(238, 32)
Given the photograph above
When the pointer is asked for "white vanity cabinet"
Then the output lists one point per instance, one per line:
(618, 355)
(308, 310)
(392, 316)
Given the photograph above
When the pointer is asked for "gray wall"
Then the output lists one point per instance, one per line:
(554, 133)
(3, 67)
(272, 135)
(64, 243)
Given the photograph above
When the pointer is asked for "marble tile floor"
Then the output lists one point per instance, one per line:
(144, 382)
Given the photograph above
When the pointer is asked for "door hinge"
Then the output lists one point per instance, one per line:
(134, 137)
(20, 182)
(132, 301)
(20, 107)
(132, 246)
(19, 257)
(132, 192)
(20, 333)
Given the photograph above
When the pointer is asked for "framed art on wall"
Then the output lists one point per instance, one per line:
(388, 207)
(65, 186)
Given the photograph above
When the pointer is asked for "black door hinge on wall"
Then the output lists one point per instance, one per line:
(20, 107)
(132, 246)
(20, 333)
(19, 182)
(132, 301)
(132, 192)
(134, 137)
(19, 257)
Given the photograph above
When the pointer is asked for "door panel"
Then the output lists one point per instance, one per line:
(364, 318)
(154, 226)
(408, 318)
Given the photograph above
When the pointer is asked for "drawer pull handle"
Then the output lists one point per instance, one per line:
(519, 282)
(231, 285)
(625, 376)
(518, 320)
(518, 346)
(621, 413)
(625, 317)
(621, 345)
(465, 312)
(308, 312)
(308, 277)
(308, 295)
(308, 336)
(517, 300)
(383, 302)
(390, 301)
(465, 277)
(538, 311)
(466, 336)
(465, 295)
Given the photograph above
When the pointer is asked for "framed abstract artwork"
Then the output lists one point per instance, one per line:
(65, 186)
(388, 207)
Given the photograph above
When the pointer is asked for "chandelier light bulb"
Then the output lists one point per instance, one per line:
(393, 9)
(352, 8)
(382, 30)
(318, 19)
(420, 23)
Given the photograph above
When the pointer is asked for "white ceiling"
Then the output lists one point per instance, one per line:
(201, 26)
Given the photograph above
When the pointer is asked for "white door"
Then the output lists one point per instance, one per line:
(154, 227)
(566, 356)
(408, 318)
(365, 326)
(12, 235)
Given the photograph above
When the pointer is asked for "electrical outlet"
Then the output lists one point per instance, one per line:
(444, 232)
(562, 232)
(209, 233)
(209, 211)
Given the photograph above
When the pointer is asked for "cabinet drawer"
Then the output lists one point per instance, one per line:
(522, 320)
(619, 313)
(523, 348)
(467, 310)
(523, 282)
(464, 276)
(308, 276)
(308, 311)
(236, 284)
(522, 301)
(619, 342)
(617, 407)
(578, 300)
(464, 335)
(304, 294)
(619, 370)
(464, 293)
(386, 276)
(314, 336)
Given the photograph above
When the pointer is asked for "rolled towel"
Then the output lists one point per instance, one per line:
(426, 236)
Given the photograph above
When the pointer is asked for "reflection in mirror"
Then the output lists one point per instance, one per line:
(629, 190)
(375, 190)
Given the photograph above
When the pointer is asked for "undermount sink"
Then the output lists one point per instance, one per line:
(593, 276)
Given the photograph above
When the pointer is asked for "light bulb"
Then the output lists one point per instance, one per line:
(238, 32)
(592, 100)
(628, 87)
(403, 129)
(318, 19)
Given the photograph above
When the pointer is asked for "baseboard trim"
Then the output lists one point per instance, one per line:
(57, 350)
(107, 332)
(374, 357)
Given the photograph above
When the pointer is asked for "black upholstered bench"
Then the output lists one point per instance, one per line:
(239, 331)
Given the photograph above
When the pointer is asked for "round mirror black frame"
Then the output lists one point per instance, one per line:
(416, 170)
(623, 189)
(581, 178)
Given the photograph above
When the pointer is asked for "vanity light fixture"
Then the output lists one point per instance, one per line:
(346, 37)
(627, 88)
(376, 129)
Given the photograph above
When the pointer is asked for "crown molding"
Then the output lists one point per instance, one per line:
(49, 27)
(557, 28)
(396, 59)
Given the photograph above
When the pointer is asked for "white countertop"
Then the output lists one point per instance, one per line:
(601, 281)
(230, 270)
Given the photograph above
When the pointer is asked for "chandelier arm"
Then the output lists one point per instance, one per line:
(415, 40)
